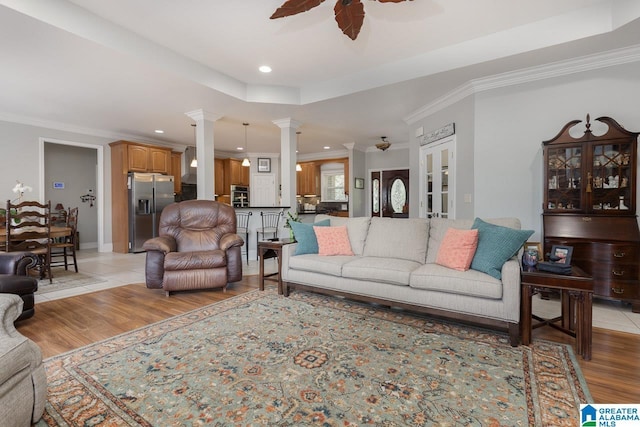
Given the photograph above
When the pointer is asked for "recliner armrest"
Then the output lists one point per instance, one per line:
(230, 240)
(17, 262)
(164, 244)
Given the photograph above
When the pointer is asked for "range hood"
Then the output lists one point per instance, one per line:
(191, 177)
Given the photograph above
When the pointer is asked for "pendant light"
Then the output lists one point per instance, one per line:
(298, 167)
(246, 162)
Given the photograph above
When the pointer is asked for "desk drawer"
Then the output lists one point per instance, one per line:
(614, 271)
(620, 289)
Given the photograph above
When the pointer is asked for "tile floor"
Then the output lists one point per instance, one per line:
(123, 269)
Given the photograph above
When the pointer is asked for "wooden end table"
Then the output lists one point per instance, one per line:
(576, 292)
(272, 249)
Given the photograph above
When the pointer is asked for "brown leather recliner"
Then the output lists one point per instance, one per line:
(14, 279)
(197, 248)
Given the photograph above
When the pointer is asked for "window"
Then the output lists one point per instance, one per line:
(332, 182)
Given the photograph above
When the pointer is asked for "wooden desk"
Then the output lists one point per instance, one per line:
(576, 292)
(271, 249)
(56, 231)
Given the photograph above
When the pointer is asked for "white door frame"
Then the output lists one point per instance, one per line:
(100, 205)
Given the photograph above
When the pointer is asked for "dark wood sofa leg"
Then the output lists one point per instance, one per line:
(285, 289)
(514, 334)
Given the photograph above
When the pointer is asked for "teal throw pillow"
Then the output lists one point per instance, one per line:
(496, 245)
(306, 237)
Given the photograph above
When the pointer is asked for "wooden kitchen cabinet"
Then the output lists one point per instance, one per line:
(159, 160)
(176, 171)
(590, 205)
(235, 174)
(143, 158)
(308, 179)
(219, 174)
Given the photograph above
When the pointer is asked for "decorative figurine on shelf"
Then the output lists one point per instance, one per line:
(625, 182)
(597, 182)
(622, 206)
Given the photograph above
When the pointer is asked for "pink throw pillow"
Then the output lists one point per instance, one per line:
(333, 240)
(457, 249)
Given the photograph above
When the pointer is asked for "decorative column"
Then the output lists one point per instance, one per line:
(205, 152)
(288, 159)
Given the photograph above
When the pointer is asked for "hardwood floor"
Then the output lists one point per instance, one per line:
(62, 325)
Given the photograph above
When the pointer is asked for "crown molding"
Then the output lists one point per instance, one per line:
(526, 75)
(65, 127)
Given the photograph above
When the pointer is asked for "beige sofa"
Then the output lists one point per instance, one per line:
(394, 264)
(23, 382)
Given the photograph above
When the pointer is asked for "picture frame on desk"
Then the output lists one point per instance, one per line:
(562, 252)
(264, 164)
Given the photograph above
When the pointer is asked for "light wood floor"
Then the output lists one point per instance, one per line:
(612, 375)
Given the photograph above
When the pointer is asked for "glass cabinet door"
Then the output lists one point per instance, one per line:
(436, 176)
(610, 175)
(564, 178)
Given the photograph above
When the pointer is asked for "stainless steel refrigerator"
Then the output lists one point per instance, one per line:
(149, 194)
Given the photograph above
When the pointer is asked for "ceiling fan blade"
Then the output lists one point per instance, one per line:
(350, 17)
(293, 7)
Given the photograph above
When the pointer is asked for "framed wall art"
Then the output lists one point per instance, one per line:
(264, 164)
(359, 184)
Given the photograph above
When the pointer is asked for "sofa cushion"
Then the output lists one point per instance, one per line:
(397, 238)
(386, 270)
(496, 244)
(333, 241)
(357, 228)
(435, 277)
(331, 265)
(438, 228)
(457, 249)
(306, 237)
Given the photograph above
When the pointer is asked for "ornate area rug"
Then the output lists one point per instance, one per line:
(66, 279)
(262, 359)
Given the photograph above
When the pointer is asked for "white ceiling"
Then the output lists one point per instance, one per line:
(122, 68)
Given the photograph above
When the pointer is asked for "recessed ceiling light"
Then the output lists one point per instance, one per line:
(326, 147)
(158, 131)
(264, 69)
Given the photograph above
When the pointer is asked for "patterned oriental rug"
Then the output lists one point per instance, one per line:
(262, 359)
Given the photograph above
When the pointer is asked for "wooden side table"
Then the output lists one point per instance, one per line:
(272, 249)
(576, 292)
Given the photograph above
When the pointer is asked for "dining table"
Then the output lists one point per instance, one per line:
(56, 231)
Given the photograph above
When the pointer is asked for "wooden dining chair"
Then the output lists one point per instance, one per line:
(28, 228)
(66, 246)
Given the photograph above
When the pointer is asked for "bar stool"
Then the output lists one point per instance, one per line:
(242, 228)
(270, 223)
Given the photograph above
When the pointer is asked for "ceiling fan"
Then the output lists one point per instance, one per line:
(349, 13)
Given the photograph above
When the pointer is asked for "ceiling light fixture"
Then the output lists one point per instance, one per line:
(264, 69)
(349, 14)
(246, 162)
(298, 167)
(384, 145)
(158, 131)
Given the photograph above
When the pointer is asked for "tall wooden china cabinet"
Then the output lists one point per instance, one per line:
(590, 205)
